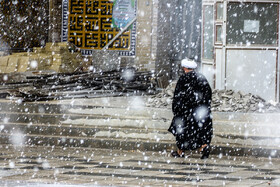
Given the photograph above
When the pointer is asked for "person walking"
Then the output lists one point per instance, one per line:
(191, 107)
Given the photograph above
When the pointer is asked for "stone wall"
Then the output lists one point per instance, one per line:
(144, 30)
(164, 40)
(186, 33)
(154, 36)
(55, 57)
(55, 22)
(23, 24)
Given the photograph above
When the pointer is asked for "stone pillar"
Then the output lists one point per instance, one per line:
(55, 21)
(143, 58)
(164, 37)
(153, 46)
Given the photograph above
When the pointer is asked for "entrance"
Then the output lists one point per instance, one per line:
(245, 47)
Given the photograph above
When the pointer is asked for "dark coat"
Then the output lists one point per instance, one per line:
(192, 121)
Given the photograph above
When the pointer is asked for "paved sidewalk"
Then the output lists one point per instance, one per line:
(57, 166)
(126, 123)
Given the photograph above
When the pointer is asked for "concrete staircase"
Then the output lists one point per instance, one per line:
(125, 123)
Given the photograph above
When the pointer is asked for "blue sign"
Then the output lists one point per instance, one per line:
(123, 13)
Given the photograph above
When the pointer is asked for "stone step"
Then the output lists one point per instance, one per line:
(110, 107)
(114, 123)
(84, 131)
(221, 149)
(112, 128)
(109, 113)
(247, 129)
(151, 133)
(82, 119)
(229, 128)
(236, 129)
(265, 118)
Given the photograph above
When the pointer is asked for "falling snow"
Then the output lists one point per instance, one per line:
(103, 120)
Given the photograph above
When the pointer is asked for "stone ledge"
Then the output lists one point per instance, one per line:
(55, 56)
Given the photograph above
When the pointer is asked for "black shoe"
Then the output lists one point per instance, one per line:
(176, 154)
(205, 152)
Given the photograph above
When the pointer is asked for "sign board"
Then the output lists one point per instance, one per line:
(123, 12)
(252, 26)
(88, 24)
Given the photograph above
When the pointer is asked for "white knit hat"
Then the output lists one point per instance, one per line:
(188, 64)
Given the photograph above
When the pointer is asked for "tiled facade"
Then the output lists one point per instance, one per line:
(152, 47)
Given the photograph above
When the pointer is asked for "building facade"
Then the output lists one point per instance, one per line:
(236, 43)
(240, 46)
(165, 31)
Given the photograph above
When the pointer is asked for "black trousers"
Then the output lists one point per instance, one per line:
(193, 138)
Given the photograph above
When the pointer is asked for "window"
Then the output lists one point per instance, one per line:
(252, 23)
(220, 11)
(219, 32)
(208, 32)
